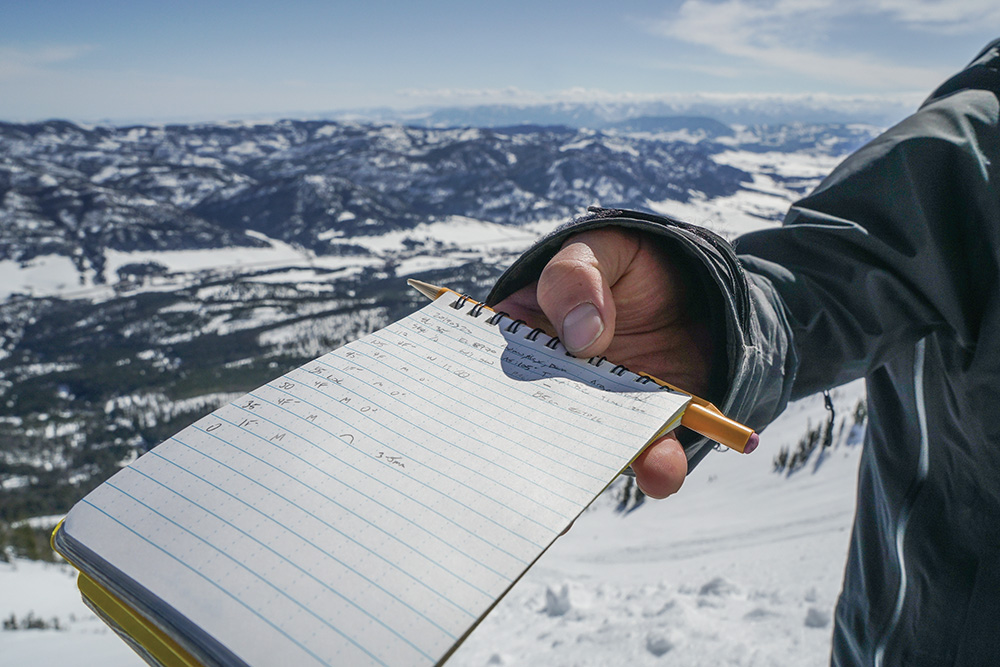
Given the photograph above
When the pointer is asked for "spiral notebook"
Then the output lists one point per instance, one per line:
(369, 507)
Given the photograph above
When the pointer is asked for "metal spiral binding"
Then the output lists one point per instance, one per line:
(533, 334)
(497, 316)
(477, 307)
(515, 325)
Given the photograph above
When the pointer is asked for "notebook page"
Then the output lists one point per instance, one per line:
(372, 505)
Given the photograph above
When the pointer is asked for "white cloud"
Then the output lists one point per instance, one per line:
(17, 62)
(793, 35)
(955, 17)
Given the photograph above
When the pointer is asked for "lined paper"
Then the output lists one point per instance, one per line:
(370, 506)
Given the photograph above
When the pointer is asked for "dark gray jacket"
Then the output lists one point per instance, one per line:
(889, 270)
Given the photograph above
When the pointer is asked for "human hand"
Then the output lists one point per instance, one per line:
(614, 292)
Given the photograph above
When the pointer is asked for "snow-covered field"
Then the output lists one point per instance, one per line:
(742, 567)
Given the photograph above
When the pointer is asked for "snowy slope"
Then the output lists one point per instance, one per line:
(741, 568)
(49, 591)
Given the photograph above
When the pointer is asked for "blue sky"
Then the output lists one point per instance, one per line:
(109, 60)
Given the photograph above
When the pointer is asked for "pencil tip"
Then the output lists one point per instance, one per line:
(430, 291)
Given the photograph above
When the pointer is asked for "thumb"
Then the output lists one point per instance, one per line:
(574, 289)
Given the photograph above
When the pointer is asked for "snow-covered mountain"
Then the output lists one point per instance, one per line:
(737, 109)
(80, 193)
(148, 273)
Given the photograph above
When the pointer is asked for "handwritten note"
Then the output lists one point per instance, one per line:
(370, 506)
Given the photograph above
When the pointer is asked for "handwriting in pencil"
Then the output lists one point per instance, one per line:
(542, 396)
(586, 415)
(394, 460)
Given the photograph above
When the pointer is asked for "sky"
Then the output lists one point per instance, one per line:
(110, 60)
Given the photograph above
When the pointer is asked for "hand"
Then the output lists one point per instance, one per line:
(614, 292)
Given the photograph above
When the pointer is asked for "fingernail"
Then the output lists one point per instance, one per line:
(582, 326)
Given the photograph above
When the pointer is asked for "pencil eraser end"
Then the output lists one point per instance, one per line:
(751, 443)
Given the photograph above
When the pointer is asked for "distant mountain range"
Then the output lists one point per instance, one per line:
(80, 191)
(736, 109)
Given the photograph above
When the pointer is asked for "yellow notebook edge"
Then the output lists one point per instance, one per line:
(125, 619)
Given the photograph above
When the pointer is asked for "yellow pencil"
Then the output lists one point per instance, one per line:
(700, 416)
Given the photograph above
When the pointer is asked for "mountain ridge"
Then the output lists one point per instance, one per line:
(78, 192)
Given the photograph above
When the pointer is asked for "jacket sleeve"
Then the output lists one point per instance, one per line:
(897, 242)
(893, 244)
